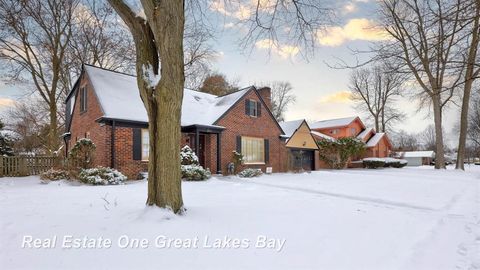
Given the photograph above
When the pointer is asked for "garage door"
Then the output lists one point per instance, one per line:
(303, 159)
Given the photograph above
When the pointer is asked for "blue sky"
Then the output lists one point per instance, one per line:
(322, 92)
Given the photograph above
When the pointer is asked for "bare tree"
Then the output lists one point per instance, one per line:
(99, 40)
(282, 97)
(404, 141)
(424, 44)
(29, 121)
(472, 70)
(428, 138)
(158, 38)
(374, 91)
(34, 38)
(474, 123)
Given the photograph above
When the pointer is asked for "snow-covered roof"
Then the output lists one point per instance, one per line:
(410, 154)
(289, 127)
(321, 135)
(363, 135)
(375, 139)
(120, 99)
(340, 122)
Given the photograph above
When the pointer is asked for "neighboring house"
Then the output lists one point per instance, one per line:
(378, 146)
(418, 158)
(106, 107)
(301, 145)
(339, 128)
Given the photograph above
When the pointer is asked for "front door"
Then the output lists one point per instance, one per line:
(201, 155)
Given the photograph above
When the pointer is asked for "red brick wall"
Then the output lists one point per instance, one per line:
(83, 125)
(124, 154)
(236, 122)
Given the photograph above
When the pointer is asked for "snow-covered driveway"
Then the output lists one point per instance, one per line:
(411, 218)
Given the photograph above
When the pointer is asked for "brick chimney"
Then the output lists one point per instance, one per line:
(266, 94)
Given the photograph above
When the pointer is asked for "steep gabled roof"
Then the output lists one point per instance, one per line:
(377, 138)
(320, 135)
(363, 135)
(331, 123)
(119, 98)
(289, 127)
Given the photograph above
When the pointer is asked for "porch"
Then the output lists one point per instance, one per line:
(206, 142)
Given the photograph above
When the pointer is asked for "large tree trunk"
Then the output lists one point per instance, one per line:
(53, 137)
(463, 126)
(159, 48)
(164, 187)
(439, 147)
(470, 75)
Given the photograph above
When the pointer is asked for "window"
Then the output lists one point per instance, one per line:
(353, 131)
(83, 99)
(253, 150)
(145, 144)
(334, 131)
(252, 108)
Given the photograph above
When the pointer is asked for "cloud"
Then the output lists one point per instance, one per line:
(242, 10)
(355, 29)
(284, 51)
(338, 97)
(7, 102)
(349, 8)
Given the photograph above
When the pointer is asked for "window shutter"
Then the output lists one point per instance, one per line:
(259, 108)
(137, 144)
(85, 98)
(267, 150)
(239, 144)
(247, 106)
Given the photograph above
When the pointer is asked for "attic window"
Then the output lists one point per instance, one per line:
(83, 99)
(252, 108)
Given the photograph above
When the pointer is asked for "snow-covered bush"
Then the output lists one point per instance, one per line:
(81, 155)
(249, 172)
(373, 163)
(188, 157)
(337, 153)
(54, 175)
(101, 176)
(195, 173)
(237, 160)
(395, 163)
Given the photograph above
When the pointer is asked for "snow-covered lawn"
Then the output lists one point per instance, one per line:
(410, 218)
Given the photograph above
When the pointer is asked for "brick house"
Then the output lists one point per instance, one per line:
(106, 107)
(377, 144)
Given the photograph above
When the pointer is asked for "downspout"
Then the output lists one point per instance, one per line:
(112, 145)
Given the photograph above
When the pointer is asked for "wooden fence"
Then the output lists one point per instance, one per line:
(26, 165)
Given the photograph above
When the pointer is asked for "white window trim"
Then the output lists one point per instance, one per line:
(263, 151)
(144, 130)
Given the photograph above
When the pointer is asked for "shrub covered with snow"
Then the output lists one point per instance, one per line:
(101, 176)
(373, 163)
(195, 173)
(81, 155)
(395, 163)
(337, 153)
(188, 157)
(54, 175)
(249, 172)
(190, 168)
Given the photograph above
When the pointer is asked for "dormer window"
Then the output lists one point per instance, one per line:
(83, 99)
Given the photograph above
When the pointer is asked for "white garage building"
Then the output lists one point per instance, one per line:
(418, 158)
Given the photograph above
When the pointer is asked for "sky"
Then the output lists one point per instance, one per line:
(321, 92)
